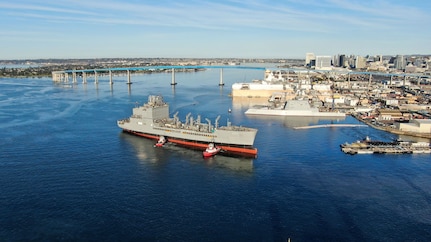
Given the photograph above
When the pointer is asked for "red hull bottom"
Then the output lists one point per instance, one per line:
(246, 152)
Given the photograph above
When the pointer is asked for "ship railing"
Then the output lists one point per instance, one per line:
(235, 128)
(122, 121)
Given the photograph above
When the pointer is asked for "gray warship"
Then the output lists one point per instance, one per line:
(151, 120)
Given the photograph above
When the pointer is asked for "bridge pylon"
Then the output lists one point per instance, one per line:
(221, 78)
(173, 83)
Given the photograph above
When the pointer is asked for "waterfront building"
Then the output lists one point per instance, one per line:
(416, 125)
(389, 114)
(323, 63)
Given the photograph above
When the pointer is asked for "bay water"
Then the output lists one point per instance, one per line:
(68, 173)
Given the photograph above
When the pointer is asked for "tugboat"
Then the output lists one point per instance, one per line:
(161, 142)
(211, 150)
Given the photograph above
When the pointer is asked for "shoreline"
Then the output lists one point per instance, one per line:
(392, 130)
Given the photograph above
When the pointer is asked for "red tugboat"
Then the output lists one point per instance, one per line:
(211, 150)
(162, 141)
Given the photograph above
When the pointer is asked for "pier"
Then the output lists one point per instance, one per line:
(330, 126)
(379, 147)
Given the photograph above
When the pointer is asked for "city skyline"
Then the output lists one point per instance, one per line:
(217, 29)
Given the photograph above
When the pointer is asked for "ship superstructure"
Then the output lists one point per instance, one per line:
(151, 120)
(279, 106)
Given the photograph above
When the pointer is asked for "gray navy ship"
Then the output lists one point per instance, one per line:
(151, 120)
(279, 106)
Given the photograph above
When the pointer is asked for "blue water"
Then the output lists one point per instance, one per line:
(68, 173)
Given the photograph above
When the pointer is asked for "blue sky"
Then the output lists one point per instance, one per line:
(218, 28)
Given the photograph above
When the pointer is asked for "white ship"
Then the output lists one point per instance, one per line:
(278, 106)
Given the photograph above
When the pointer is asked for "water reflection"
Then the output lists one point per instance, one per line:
(144, 148)
(292, 122)
(247, 102)
(173, 90)
(232, 163)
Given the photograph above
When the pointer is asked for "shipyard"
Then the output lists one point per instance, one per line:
(386, 93)
(389, 93)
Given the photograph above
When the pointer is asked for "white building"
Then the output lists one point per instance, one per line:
(360, 62)
(309, 57)
(416, 125)
(391, 102)
(323, 63)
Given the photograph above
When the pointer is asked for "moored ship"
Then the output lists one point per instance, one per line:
(368, 146)
(151, 120)
(279, 106)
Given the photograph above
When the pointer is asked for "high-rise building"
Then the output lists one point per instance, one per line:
(360, 62)
(400, 62)
(335, 60)
(323, 63)
(342, 61)
(309, 58)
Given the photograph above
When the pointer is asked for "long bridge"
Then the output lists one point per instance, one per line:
(63, 76)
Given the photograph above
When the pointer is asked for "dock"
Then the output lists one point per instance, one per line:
(368, 146)
(330, 126)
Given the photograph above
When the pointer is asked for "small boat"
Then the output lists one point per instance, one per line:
(211, 150)
(162, 141)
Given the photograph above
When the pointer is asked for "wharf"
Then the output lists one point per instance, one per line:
(367, 146)
(392, 130)
(330, 126)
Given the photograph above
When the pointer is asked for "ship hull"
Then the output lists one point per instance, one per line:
(246, 151)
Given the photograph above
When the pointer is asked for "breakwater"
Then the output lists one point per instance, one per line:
(330, 126)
